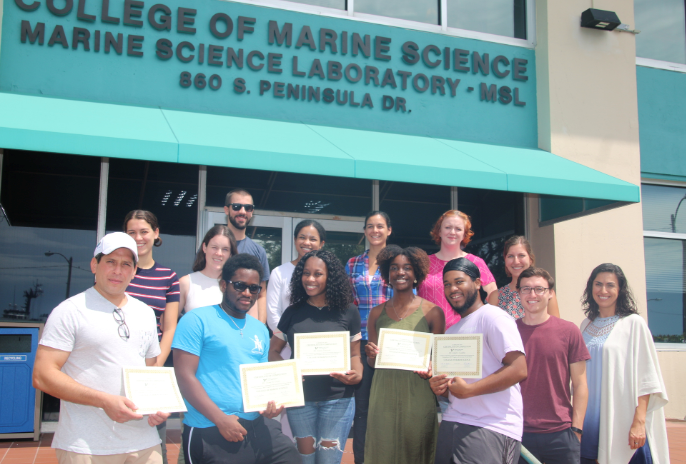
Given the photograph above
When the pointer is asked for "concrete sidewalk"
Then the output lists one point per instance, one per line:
(30, 452)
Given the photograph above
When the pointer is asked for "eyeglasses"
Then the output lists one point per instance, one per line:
(238, 206)
(537, 290)
(241, 286)
(123, 329)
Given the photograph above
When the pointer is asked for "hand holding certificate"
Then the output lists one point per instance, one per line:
(323, 353)
(404, 349)
(153, 389)
(458, 355)
(278, 381)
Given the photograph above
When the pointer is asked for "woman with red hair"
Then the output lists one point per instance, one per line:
(452, 232)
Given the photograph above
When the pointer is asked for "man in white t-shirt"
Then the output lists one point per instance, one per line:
(86, 342)
(484, 421)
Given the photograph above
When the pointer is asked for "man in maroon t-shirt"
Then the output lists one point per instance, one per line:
(555, 354)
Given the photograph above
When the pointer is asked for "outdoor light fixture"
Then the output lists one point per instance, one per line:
(600, 19)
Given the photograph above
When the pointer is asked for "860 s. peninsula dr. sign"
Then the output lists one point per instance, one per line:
(245, 60)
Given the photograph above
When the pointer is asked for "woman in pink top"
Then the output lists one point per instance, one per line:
(452, 232)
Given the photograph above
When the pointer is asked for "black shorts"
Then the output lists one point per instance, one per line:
(264, 444)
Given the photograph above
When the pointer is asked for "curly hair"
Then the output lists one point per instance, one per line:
(468, 232)
(417, 257)
(626, 304)
(339, 290)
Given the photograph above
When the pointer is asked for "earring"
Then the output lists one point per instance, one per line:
(415, 281)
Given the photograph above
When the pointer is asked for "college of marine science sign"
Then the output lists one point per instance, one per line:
(216, 48)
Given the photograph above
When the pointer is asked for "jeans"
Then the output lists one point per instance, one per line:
(323, 421)
(362, 391)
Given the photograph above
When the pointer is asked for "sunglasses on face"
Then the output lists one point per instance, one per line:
(241, 286)
(237, 207)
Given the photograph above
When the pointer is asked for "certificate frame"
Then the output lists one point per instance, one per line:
(299, 352)
(251, 400)
(386, 334)
(459, 339)
(170, 401)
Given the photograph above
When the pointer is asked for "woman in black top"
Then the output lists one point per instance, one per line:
(321, 301)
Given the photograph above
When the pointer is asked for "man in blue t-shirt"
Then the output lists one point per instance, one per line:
(209, 345)
(239, 207)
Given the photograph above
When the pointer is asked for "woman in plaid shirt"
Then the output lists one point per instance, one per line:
(369, 290)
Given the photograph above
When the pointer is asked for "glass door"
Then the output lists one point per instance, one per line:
(274, 231)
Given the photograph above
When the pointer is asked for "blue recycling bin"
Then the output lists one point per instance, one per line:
(19, 401)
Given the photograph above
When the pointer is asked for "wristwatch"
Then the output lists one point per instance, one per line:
(577, 430)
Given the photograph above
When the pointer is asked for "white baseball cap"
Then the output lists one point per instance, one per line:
(116, 240)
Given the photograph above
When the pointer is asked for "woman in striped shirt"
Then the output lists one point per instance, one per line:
(154, 285)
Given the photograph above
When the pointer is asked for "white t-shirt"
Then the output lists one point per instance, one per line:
(202, 291)
(500, 412)
(279, 293)
(279, 298)
(84, 326)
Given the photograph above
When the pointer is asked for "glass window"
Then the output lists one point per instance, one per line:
(505, 218)
(663, 30)
(288, 192)
(500, 17)
(168, 190)
(666, 288)
(338, 4)
(663, 210)
(423, 11)
(51, 201)
(413, 209)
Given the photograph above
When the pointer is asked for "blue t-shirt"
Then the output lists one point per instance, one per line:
(247, 245)
(210, 334)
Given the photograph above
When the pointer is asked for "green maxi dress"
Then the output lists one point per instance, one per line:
(402, 424)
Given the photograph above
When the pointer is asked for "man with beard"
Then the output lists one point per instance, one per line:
(209, 345)
(484, 421)
(239, 207)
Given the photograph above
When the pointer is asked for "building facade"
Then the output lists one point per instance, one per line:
(505, 109)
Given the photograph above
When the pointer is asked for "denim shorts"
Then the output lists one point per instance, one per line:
(324, 421)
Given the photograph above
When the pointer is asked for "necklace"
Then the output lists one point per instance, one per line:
(234, 322)
(309, 302)
(394, 312)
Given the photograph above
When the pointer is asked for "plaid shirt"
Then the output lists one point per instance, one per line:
(367, 292)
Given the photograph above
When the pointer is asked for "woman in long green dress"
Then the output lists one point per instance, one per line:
(402, 422)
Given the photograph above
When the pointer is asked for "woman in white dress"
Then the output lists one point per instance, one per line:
(201, 288)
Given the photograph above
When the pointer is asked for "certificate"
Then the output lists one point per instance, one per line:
(153, 389)
(321, 353)
(278, 381)
(404, 349)
(458, 355)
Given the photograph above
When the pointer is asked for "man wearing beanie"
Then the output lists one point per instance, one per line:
(484, 421)
(86, 342)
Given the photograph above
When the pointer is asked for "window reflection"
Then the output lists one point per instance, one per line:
(660, 208)
(500, 17)
(666, 288)
(52, 203)
(663, 30)
(289, 192)
(168, 190)
(423, 11)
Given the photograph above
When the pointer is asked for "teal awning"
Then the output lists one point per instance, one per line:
(100, 129)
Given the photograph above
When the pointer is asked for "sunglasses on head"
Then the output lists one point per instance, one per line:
(238, 206)
(241, 286)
